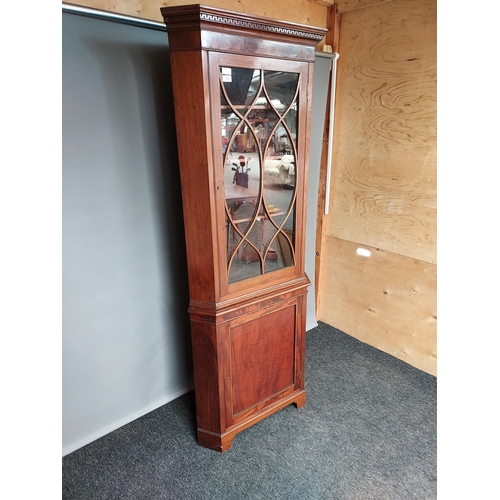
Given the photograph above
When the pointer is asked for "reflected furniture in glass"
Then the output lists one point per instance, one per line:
(241, 88)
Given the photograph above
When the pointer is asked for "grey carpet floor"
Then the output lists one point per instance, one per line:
(367, 431)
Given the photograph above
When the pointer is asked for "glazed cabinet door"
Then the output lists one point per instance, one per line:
(258, 123)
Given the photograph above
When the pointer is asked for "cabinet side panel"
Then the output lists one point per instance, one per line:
(262, 358)
(300, 344)
(194, 150)
(206, 376)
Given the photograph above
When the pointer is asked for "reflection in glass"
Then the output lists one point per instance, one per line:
(259, 136)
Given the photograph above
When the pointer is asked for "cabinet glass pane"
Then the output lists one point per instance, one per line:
(259, 137)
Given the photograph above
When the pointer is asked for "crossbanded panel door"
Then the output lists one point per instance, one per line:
(262, 359)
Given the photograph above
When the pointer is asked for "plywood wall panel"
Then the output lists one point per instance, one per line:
(298, 11)
(350, 5)
(383, 187)
(386, 300)
(384, 161)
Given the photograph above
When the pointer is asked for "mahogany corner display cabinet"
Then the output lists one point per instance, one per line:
(242, 100)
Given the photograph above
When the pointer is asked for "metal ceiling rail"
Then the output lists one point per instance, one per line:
(111, 16)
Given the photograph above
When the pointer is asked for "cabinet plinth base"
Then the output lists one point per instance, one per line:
(223, 442)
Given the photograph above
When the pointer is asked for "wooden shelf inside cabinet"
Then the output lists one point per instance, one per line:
(250, 219)
(241, 87)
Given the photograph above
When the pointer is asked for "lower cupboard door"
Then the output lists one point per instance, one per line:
(262, 362)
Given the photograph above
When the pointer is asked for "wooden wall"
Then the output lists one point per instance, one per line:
(383, 188)
(298, 11)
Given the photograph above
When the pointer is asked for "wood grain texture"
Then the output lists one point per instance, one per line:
(350, 5)
(386, 300)
(383, 188)
(384, 159)
(333, 36)
(190, 97)
(326, 3)
(262, 361)
(261, 349)
(298, 11)
(207, 378)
